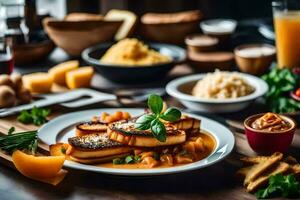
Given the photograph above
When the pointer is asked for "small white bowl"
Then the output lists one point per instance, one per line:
(218, 26)
(181, 88)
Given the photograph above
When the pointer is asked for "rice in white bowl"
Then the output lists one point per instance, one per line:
(222, 85)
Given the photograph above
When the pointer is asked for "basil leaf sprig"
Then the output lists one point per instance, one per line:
(153, 121)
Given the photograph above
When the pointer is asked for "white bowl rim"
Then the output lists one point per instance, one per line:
(207, 25)
(260, 86)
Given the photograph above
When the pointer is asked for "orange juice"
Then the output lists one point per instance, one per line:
(287, 29)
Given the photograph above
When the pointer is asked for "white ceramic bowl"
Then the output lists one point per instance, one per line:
(218, 26)
(181, 88)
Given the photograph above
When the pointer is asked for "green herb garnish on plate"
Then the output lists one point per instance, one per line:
(36, 116)
(130, 159)
(153, 121)
(280, 186)
(27, 141)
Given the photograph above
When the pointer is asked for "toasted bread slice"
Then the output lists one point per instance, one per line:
(295, 169)
(126, 133)
(261, 167)
(90, 127)
(188, 124)
(97, 160)
(96, 145)
(281, 167)
(129, 22)
(258, 159)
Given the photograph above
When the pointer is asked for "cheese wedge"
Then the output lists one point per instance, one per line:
(39, 82)
(80, 77)
(129, 22)
(59, 71)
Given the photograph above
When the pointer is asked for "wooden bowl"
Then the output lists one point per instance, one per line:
(208, 62)
(169, 28)
(75, 36)
(201, 43)
(31, 52)
(254, 58)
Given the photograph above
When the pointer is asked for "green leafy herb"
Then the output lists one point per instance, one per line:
(63, 150)
(153, 121)
(11, 130)
(155, 103)
(37, 116)
(118, 161)
(130, 159)
(19, 141)
(137, 159)
(281, 82)
(171, 115)
(280, 186)
(156, 156)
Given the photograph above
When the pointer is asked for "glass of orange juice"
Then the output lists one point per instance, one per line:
(287, 31)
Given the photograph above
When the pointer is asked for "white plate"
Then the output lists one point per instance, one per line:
(215, 105)
(61, 128)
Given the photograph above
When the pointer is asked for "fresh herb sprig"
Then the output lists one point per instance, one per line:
(36, 116)
(281, 82)
(19, 141)
(153, 121)
(280, 186)
(130, 159)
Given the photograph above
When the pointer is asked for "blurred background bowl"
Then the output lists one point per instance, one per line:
(254, 58)
(31, 52)
(210, 61)
(75, 36)
(169, 28)
(134, 74)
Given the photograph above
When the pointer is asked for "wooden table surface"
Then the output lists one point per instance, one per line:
(215, 182)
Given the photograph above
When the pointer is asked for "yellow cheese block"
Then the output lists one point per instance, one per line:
(39, 82)
(80, 77)
(59, 71)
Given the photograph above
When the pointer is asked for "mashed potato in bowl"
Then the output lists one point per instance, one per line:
(132, 52)
(222, 85)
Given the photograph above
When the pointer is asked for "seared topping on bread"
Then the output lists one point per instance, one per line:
(93, 141)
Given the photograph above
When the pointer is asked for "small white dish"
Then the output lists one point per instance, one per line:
(61, 128)
(181, 88)
(218, 26)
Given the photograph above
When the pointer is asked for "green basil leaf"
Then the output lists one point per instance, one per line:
(171, 115)
(158, 130)
(144, 122)
(155, 103)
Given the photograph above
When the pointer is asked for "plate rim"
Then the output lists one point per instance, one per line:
(229, 143)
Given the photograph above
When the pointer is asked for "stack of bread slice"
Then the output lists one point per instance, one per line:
(258, 169)
(98, 142)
